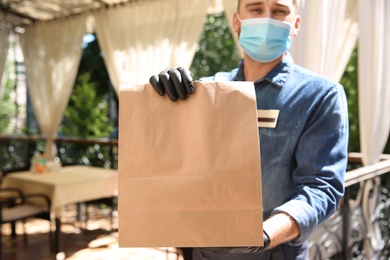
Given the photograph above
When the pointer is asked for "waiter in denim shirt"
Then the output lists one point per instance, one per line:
(303, 128)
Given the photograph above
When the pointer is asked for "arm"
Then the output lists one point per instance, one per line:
(321, 158)
(281, 228)
(278, 229)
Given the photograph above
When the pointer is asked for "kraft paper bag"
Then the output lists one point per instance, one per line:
(189, 171)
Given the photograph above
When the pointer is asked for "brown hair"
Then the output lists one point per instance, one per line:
(295, 3)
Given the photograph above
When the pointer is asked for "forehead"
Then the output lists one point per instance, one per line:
(289, 3)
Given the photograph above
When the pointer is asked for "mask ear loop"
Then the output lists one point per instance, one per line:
(238, 17)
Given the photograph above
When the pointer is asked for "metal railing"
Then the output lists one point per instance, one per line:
(17, 151)
(358, 230)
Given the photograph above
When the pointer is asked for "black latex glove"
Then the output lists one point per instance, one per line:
(176, 82)
(242, 250)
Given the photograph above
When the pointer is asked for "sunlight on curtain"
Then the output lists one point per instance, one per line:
(230, 8)
(4, 44)
(347, 39)
(52, 53)
(143, 38)
(374, 78)
(327, 37)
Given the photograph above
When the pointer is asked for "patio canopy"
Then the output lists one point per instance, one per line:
(140, 38)
(22, 13)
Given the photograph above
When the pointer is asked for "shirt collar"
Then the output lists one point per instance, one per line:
(277, 76)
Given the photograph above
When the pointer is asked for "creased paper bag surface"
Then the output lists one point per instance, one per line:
(189, 171)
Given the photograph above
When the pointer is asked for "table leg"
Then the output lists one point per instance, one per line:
(57, 235)
(13, 229)
(80, 214)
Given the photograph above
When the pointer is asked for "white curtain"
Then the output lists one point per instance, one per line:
(374, 77)
(52, 53)
(141, 39)
(4, 44)
(328, 34)
(348, 38)
(230, 8)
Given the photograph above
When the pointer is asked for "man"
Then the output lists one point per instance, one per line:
(304, 157)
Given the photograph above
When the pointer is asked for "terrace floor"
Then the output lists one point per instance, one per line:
(95, 241)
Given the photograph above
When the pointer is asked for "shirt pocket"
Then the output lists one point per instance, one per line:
(277, 144)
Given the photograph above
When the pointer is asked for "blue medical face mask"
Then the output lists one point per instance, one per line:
(265, 39)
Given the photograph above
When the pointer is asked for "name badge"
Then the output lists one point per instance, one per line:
(267, 118)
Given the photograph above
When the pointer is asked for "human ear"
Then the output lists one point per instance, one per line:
(296, 26)
(236, 23)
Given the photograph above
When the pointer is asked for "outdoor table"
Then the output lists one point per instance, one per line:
(71, 184)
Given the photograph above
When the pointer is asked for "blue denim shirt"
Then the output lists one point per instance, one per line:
(304, 158)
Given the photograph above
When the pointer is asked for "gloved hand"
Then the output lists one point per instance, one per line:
(242, 250)
(176, 82)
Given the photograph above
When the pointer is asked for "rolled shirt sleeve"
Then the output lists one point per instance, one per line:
(321, 158)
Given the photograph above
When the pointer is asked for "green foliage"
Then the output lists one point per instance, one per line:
(86, 114)
(92, 62)
(217, 50)
(7, 107)
(350, 82)
(387, 148)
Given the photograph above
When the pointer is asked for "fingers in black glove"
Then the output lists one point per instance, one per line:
(175, 82)
(178, 85)
(243, 250)
(187, 80)
(158, 87)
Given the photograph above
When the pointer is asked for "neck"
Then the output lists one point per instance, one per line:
(254, 70)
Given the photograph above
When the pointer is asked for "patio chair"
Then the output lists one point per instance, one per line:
(15, 206)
